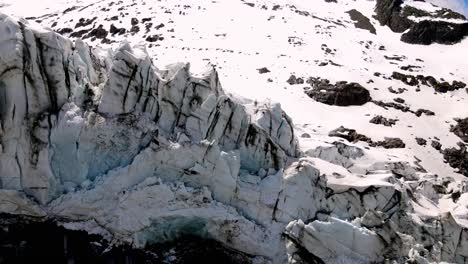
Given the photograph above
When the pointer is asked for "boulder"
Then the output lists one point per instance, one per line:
(361, 21)
(339, 94)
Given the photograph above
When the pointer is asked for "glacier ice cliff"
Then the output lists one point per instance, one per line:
(106, 142)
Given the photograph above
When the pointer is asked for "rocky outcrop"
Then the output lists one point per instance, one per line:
(340, 94)
(380, 120)
(439, 13)
(457, 158)
(388, 13)
(461, 129)
(350, 135)
(427, 32)
(439, 86)
(389, 143)
(361, 21)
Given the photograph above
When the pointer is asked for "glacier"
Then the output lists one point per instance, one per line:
(104, 141)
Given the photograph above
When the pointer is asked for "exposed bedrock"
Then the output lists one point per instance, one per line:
(427, 32)
(390, 13)
(340, 94)
(361, 21)
(439, 86)
(461, 129)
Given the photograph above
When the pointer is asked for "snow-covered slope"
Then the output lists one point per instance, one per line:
(102, 139)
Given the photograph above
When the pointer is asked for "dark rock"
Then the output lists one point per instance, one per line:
(399, 100)
(389, 143)
(395, 57)
(334, 63)
(407, 79)
(135, 29)
(444, 87)
(410, 67)
(421, 141)
(134, 21)
(436, 145)
(292, 79)
(64, 31)
(85, 22)
(98, 32)
(295, 80)
(448, 14)
(114, 30)
(361, 21)
(380, 120)
(159, 26)
(340, 94)
(458, 85)
(412, 11)
(427, 32)
(79, 33)
(400, 90)
(263, 70)
(441, 87)
(352, 136)
(388, 13)
(396, 106)
(419, 112)
(427, 80)
(154, 38)
(349, 134)
(457, 158)
(441, 13)
(391, 14)
(70, 9)
(461, 129)
(148, 27)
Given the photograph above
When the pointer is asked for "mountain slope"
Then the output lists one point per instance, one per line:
(129, 125)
